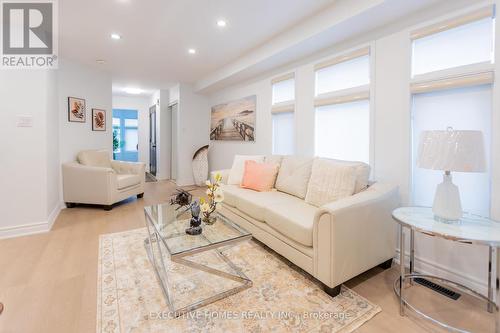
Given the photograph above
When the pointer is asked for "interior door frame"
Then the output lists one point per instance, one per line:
(153, 141)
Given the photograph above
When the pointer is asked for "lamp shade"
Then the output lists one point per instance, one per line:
(451, 150)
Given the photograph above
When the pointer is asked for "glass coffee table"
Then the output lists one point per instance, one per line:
(194, 283)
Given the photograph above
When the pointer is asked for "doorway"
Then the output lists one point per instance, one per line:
(152, 140)
(125, 135)
(173, 159)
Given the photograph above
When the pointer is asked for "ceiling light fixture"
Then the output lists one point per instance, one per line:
(221, 23)
(116, 36)
(133, 91)
(192, 51)
(100, 61)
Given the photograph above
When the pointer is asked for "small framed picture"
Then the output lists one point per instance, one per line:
(98, 120)
(76, 110)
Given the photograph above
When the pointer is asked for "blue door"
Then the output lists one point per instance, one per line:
(125, 135)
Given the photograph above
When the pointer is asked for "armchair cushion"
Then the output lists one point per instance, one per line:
(124, 181)
(96, 158)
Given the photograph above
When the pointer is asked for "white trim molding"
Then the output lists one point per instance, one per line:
(32, 228)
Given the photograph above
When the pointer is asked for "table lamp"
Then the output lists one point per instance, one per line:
(450, 150)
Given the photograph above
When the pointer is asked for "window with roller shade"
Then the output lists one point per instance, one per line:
(462, 100)
(283, 118)
(342, 107)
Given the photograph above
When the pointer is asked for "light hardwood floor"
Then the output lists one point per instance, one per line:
(48, 281)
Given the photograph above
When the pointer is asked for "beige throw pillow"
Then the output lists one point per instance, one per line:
(294, 175)
(330, 182)
(236, 173)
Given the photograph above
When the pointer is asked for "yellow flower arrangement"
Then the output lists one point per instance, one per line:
(215, 195)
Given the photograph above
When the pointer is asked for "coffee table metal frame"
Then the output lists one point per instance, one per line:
(155, 239)
(493, 285)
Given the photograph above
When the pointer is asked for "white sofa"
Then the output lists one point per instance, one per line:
(333, 242)
(96, 179)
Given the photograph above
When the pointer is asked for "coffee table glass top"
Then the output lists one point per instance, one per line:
(171, 221)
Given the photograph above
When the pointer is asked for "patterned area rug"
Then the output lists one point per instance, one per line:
(283, 297)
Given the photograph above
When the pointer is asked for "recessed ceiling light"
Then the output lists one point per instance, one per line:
(116, 36)
(221, 23)
(133, 91)
(100, 61)
(192, 51)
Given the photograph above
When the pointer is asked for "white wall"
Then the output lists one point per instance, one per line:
(29, 167)
(161, 99)
(193, 131)
(141, 104)
(94, 86)
(391, 121)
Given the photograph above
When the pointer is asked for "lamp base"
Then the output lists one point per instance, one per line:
(447, 206)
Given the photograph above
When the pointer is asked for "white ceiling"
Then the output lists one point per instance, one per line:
(157, 33)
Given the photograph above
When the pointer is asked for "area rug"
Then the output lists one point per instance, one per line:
(283, 298)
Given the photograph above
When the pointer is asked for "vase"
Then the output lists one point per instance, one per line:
(209, 219)
(200, 166)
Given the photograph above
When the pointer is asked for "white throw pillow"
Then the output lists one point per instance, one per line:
(362, 173)
(330, 182)
(236, 173)
(294, 175)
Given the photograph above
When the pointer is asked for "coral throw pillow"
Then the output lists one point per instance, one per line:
(259, 176)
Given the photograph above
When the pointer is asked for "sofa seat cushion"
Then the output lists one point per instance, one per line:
(293, 219)
(232, 194)
(255, 203)
(124, 181)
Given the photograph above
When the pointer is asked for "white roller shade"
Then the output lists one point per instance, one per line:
(452, 82)
(283, 107)
(477, 15)
(342, 58)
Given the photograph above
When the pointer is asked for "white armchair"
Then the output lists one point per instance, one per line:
(96, 179)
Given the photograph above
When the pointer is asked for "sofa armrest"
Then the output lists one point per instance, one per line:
(135, 168)
(88, 184)
(224, 173)
(355, 234)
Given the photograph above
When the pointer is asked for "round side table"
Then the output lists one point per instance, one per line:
(471, 229)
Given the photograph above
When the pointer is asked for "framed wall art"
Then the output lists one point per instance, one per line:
(76, 110)
(98, 120)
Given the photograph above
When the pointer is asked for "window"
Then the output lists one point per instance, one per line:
(466, 108)
(284, 91)
(342, 114)
(283, 119)
(345, 75)
(283, 133)
(462, 100)
(462, 41)
(342, 131)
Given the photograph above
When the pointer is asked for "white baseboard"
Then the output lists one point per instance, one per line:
(426, 266)
(32, 228)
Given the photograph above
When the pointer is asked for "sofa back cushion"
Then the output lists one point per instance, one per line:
(236, 173)
(330, 181)
(362, 172)
(95, 158)
(275, 159)
(294, 175)
(259, 176)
